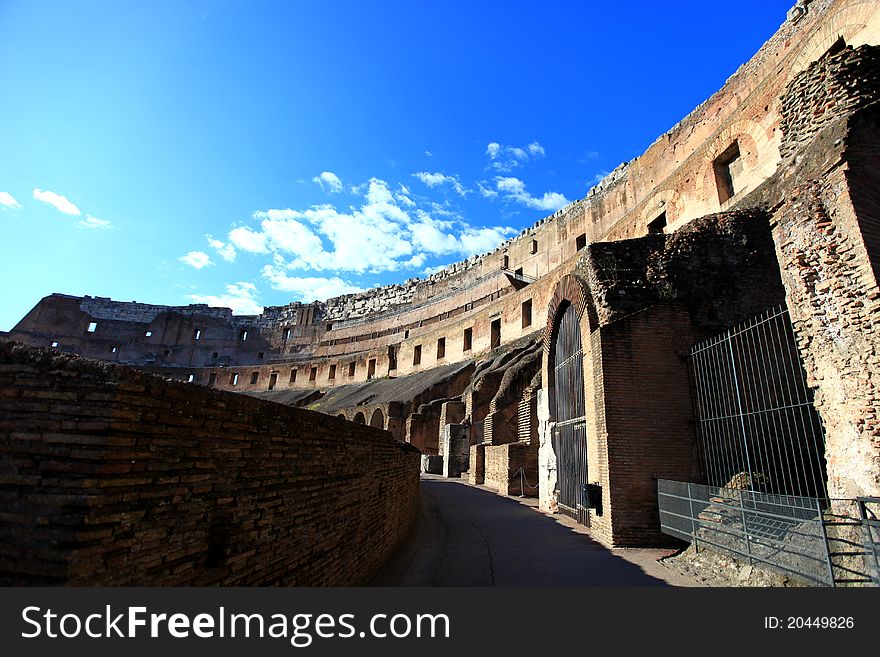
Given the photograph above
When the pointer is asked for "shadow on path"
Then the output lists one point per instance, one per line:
(472, 537)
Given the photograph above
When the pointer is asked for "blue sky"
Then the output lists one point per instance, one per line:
(258, 153)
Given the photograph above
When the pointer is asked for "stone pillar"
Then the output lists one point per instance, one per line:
(477, 464)
(455, 450)
(546, 455)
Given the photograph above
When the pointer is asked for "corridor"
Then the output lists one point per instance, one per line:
(470, 536)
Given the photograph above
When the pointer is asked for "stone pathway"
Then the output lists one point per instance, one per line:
(470, 536)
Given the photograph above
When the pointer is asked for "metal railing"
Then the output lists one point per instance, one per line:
(783, 532)
(869, 510)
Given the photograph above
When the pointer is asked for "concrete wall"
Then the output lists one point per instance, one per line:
(113, 477)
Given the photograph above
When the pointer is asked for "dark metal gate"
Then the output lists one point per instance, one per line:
(756, 423)
(570, 431)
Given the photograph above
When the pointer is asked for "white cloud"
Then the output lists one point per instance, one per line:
(196, 259)
(536, 150)
(331, 180)
(7, 201)
(240, 297)
(487, 192)
(93, 222)
(57, 201)
(248, 240)
(429, 154)
(387, 231)
(481, 240)
(435, 179)
(427, 271)
(506, 158)
(224, 250)
(514, 189)
(308, 288)
(429, 235)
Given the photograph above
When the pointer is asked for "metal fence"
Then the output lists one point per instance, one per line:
(869, 512)
(756, 424)
(783, 532)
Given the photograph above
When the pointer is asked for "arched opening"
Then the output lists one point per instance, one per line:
(359, 418)
(567, 410)
(342, 415)
(377, 419)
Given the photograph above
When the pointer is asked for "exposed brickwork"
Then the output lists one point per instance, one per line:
(503, 465)
(653, 438)
(833, 86)
(112, 477)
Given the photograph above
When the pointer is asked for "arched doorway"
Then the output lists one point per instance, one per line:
(570, 429)
(377, 419)
(359, 418)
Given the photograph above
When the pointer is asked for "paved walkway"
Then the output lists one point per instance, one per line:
(470, 536)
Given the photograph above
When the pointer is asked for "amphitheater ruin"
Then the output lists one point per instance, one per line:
(690, 350)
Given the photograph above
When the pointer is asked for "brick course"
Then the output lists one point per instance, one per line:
(113, 477)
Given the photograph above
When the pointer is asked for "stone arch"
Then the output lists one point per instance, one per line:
(668, 201)
(377, 419)
(858, 24)
(574, 291)
(342, 415)
(359, 418)
(758, 147)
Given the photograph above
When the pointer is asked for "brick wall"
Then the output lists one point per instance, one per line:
(503, 464)
(648, 419)
(833, 86)
(109, 476)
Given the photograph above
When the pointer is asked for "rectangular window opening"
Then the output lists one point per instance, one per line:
(191, 378)
(580, 241)
(534, 246)
(441, 348)
(351, 366)
(113, 350)
(371, 368)
(495, 334)
(212, 378)
(254, 377)
(148, 334)
(332, 374)
(527, 313)
(728, 168)
(243, 335)
(234, 379)
(93, 326)
(468, 342)
(292, 376)
(198, 334)
(273, 379)
(658, 225)
(417, 354)
(313, 374)
(287, 334)
(54, 344)
(260, 355)
(505, 262)
(392, 358)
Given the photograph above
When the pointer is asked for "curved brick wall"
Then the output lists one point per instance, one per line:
(112, 477)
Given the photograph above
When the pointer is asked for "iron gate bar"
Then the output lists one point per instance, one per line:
(754, 411)
(871, 537)
(570, 429)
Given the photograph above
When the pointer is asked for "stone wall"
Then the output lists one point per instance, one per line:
(833, 86)
(113, 477)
